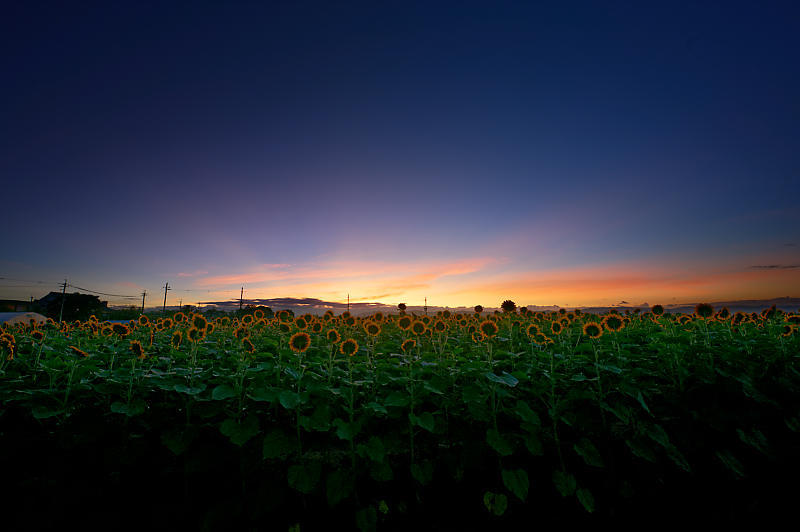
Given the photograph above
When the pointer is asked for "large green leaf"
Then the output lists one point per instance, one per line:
(516, 480)
(498, 443)
(304, 477)
(240, 432)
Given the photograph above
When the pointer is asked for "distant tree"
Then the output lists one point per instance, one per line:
(76, 307)
(508, 306)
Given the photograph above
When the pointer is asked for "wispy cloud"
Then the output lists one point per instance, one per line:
(192, 274)
(776, 266)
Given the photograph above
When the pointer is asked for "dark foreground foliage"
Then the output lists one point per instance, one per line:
(512, 422)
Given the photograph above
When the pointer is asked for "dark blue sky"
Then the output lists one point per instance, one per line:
(330, 141)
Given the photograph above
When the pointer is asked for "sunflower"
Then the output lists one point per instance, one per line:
(418, 327)
(613, 322)
(328, 316)
(478, 337)
(258, 314)
(350, 321)
(247, 319)
(592, 329)
(408, 345)
(299, 342)
(372, 328)
(78, 351)
(285, 327)
(333, 336)
(179, 317)
(107, 330)
(440, 326)
(541, 339)
(488, 328)
(508, 306)
(793, 318)
(199, 321)
(348, 347)
(137, 349)
(556, 328)
(37, 335)
(143, 320)
(120, 329)
(177, 338)
(167, 323)
(249, 345)
(194, 334)
(703, 310)
(241, 332)
(316, 327)
(532, 330)
(301, 323)
(787, 330)
(346, 314)
(478, 309)
(724, 313)
(404, 322)
(378, 317)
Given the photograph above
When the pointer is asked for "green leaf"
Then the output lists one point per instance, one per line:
(374, 449)
(221, 392)
(345, 431)
(304, 477)
(498, 443)
(756, 439)
(641, 450)
(381, 471)
(534, 444)
(424, 420)
(422, 472)
(338, 486)
(396, 399)
(321, 418)
(134, 409)
(277, 445)
(516, 480)
(377, 407)
(586, 449)
(564, 482)
(193, 390)
(658, 434)
(731, 462)
(640, 398)
(678, 458)
(268, 395)
(383, 507)
(238, 432)
(367, 519)
(527, 414)
(495, 502)
(177, 440)
(289, 399)
(505, 378)
(42, 412)
(586, 499)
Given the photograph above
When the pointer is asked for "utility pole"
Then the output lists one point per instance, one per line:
(144, 293)
(241, 298)
(166, 289)
(348, 302)
(426, 306)
(63, 299)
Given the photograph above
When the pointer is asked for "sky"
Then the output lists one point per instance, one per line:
(568, 153)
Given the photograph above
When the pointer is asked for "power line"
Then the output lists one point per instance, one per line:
(103, 293)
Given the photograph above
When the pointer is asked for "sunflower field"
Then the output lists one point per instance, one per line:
(450, 422)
